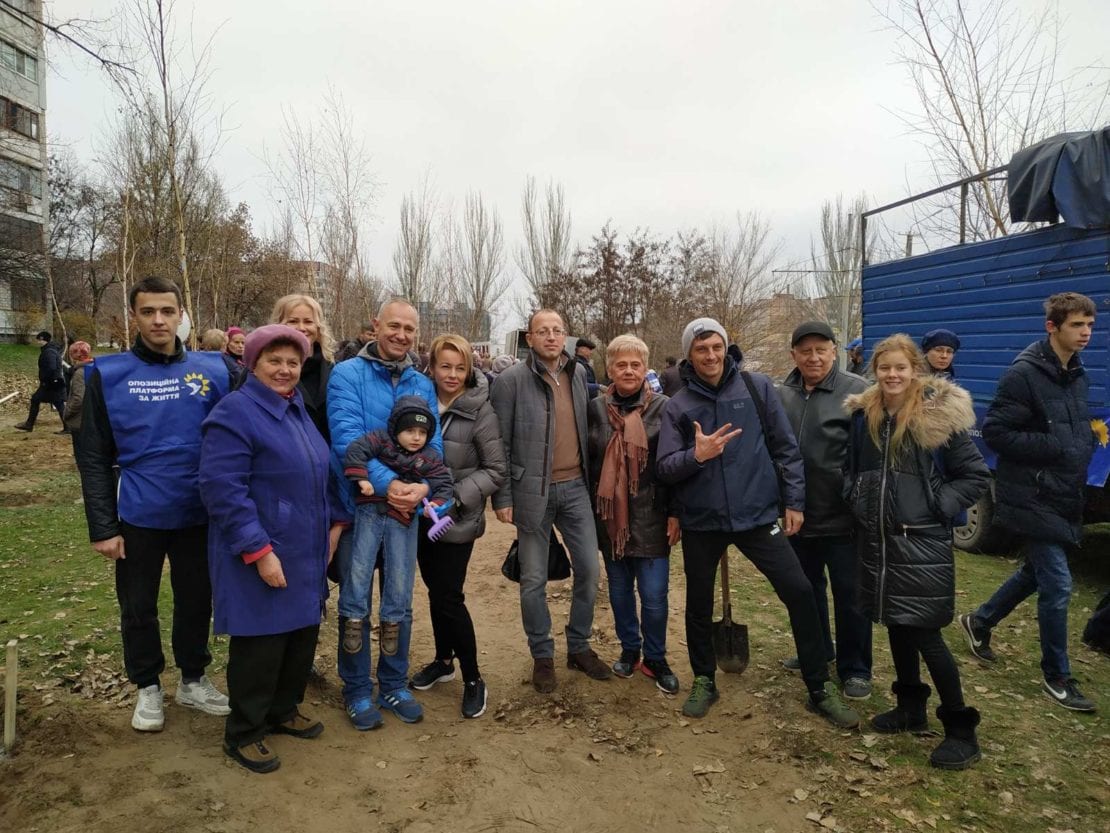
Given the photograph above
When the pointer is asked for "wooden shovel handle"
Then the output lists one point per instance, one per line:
(726, 602)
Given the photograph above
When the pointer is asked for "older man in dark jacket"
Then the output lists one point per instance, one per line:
(813, 396)
(1040, 426)
(726, 446)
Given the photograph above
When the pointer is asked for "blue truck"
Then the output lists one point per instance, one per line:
(991, 293)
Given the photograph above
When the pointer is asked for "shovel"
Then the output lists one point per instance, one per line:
(730, 641)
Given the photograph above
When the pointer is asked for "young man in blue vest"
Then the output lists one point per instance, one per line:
(141, 415)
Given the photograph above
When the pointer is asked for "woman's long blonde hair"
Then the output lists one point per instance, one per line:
(285, 304)
(914, 403)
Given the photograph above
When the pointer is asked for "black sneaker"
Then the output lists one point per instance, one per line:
(627, 664)
(658, 670)
(1067, 694)
(474, 698)
(434, 672)
(978, 638)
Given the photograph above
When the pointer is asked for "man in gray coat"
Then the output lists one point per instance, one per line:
(813, 395)
(541, 406)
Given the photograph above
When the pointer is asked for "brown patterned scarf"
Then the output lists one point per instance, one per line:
(625, 459)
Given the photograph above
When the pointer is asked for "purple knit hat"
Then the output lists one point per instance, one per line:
(261, 338)
(234, 331)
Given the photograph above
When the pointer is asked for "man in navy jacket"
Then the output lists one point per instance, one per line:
(727, 448)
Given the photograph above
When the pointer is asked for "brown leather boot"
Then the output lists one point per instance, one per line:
(257, 757)
(589, 664)
(388, 634)
(300, 726)
(543, 675)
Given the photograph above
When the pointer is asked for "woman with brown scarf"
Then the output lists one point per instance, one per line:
(635, 527)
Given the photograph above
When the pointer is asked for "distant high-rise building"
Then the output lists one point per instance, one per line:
(24, 196)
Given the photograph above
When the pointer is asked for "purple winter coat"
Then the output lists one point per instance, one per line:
(264, 479)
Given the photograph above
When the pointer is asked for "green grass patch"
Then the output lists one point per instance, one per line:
(19, 358)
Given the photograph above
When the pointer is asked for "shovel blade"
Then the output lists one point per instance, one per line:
(730, 645)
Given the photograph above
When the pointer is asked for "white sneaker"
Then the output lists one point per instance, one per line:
(148, 715)
(204, 696)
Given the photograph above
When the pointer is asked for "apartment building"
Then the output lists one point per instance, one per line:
(24, 196)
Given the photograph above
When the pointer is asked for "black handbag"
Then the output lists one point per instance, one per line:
(558, 565)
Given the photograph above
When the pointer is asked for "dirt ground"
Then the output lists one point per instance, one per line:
(592, 756)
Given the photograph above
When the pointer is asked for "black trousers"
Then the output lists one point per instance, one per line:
(767, 548)
(909, 645)
(52, 396)
(138, 577)
(443, 568)
(266, 679)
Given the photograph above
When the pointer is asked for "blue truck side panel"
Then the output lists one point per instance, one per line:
(991, 295)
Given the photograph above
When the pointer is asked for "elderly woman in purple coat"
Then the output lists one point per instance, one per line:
(264, 480)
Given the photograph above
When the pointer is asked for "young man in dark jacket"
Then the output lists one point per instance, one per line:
(731, 459)
(52, 383)
(138, 453)
(813, 396)
(1040, 427)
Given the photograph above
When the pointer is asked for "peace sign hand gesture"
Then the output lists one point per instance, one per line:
(708, 446)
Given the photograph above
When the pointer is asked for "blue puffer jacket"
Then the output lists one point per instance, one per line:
(361, 395)
(264, 481)
(740, 489)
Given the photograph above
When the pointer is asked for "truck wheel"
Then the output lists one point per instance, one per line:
(979, 534)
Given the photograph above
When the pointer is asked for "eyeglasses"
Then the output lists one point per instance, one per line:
(544, 333)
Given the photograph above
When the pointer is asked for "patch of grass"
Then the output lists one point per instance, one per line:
(1043, 768)
(19, 358)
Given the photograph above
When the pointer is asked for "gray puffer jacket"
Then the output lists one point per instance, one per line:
(473, 451)
(525, 408)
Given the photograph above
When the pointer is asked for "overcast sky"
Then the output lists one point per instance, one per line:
(654, 114)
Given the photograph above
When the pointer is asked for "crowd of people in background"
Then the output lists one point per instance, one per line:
(268, 462)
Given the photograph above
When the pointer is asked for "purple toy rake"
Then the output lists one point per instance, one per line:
(440, 525)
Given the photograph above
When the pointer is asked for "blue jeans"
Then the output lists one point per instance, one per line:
(398, 574)
(568, 508)
(651, 577)
(853, 629)
(1044, 572)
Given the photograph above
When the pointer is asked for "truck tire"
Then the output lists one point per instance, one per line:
(980, 534)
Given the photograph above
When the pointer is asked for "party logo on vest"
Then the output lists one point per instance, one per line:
(197, 383)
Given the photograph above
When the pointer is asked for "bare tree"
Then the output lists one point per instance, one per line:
(481, 283)
(412, 255)
(986, 85)
(295, 176)
(740, 280)
(547, 256)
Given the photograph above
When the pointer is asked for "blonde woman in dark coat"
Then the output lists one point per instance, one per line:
(912, 468)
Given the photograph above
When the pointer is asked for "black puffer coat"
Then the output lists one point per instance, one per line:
(649, 509)
(1040, 426)
(903, 505)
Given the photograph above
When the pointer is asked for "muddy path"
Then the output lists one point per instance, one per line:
(611, 755)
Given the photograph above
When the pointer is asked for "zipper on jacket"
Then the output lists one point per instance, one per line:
(882, 524)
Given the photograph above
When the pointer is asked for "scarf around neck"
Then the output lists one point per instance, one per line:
(625, 459)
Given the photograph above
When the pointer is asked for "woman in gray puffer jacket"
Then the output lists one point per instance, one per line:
(912, 468)
(473, 450)
(635, 525)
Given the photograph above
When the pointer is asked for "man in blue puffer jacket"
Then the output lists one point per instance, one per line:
(725, 444)
(361, 395)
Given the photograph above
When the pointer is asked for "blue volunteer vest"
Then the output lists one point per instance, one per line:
(155, 411)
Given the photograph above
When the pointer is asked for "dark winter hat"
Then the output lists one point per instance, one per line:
(260, 340)
(940, 338)
(812, 328)
(43, 335)
(699, 327)
(411, 412)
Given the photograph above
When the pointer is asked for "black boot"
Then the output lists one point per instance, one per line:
(960, 748)
(909, 715)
